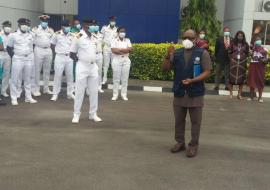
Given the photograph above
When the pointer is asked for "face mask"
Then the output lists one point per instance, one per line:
(44, 25)
(29, 29)
(91, 29)
(202, 36)
(78, 26)
(227, 34)
(240, 39)
(258, 43)
(112, 23)
(122, 34)
(24, 28)
(7, 29)
(66, 30)
(96, 28)
(187, 44)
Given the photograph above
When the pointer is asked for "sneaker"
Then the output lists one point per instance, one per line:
(14, 102)
(104, 81)
(30, 100)
(76, 118)
(54, 98)
(4, 94)
(95, 118)
(250, 99)
(261, 100)
(71, 96)
(124, 98)
(36, 93)
(114, 98)
(47, 91)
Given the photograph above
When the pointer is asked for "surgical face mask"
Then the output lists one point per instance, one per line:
(240, 39)
(29, 29)
(44, 25)
(122, 34)
(258, 42)
(202, 36)
(78, 26)
(96, 28)
(24, 28)
(112, 23)
(227, 34)
(188, 44)
(91, 29)
(7, 29)
(66, 30)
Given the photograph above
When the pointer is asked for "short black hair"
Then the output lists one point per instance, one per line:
(120, 28)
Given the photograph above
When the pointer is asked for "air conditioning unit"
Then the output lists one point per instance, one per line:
(266, 6)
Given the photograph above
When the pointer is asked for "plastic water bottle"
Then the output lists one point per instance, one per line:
(197, 67)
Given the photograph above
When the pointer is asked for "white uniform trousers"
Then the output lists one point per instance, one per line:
(43, 60)
(6, 71)
(63, 63)
(99, 64)
(107, 59)
(121, 68)
(21, 67)
(32, 76)
(86, 77)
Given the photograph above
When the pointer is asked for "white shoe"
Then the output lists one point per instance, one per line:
(14, 102)
(114, 98)
(5, 95)
(95, 118)
(47, 91)
(71, 96)
(124, 98)
(76, 118)
(36, 93)
(30, 100)
(261, 100)
(100, 90)
(54, 98)
(104, 81)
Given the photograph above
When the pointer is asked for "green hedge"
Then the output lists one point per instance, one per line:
(147, 59)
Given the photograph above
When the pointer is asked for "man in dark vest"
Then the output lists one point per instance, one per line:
(191, 66)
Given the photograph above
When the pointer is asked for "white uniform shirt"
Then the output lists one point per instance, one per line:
(117, 43)
(108, 34)
(99, 39)
(43, 37)
(85, 47)
(21, 42)
(62, 42)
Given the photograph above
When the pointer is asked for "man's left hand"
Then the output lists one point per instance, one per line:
(187, 82)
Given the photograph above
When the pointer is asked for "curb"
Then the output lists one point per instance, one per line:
(159, 89)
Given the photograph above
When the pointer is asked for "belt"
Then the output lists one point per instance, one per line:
(65, 54)
(88, 63)
(43, 47)
(25, 55)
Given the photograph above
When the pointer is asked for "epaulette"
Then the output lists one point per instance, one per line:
(79, 35)
(34, 29)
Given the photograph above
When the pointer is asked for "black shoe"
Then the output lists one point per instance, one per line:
(216, 88)
(2, 103)
(227, 88)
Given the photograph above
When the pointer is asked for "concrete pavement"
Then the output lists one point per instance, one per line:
(41, 150)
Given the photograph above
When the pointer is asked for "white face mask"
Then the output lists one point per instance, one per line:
(187, 44)
(122, 34)
(202, 36)
(7, 29)
(113, 23)
(24, 28)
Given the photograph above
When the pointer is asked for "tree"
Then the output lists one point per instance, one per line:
(201, 15)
